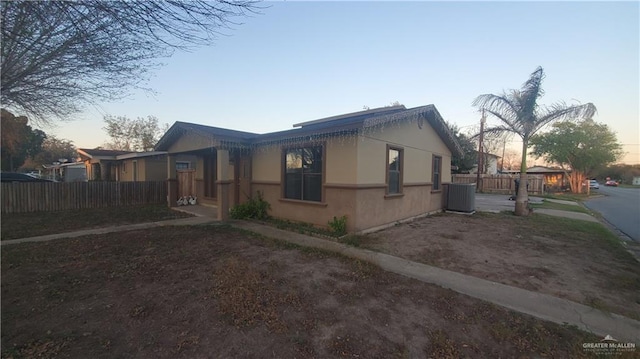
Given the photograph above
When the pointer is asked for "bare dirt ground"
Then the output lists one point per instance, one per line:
(24, 225)
(210, 291)
(571, 259)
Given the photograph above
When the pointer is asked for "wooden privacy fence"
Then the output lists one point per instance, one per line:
(20, 197)
(500, 183)
(186, 182)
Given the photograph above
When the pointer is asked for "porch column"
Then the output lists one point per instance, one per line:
(172, 182)
(223, 183)
(103, 171)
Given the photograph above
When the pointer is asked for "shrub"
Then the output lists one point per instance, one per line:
(338, 226)
(254, 208)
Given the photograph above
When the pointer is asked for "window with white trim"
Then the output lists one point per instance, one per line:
(394, 170)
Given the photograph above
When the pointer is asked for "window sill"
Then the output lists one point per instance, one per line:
(297, 201)
(393, 195)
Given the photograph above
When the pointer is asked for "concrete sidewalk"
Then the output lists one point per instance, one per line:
(539, 305)
(128, 227)
(566, 214)
(499, 202)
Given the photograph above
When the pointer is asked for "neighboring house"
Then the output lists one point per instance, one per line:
(376, 166)
(490, 165)
(65, 172)
(636, 181)
(127, 166)
(555, 179)
(101, 164)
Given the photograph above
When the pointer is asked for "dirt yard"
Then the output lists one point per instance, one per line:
(576, 260)
(24, 225)
(210, 291)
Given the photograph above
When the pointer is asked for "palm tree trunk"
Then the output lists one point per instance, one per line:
(522, 197)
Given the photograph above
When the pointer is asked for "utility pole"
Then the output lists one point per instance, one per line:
(480, 154)
(504, 145)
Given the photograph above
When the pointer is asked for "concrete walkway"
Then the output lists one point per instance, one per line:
(539, 305)
(566, 214)
(499, 202)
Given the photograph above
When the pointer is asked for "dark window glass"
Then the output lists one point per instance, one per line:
(182, 165)
(437, 169)
(303, 174)
(394, 168)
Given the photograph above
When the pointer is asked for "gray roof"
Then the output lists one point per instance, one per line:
(336, 125)
(179, 128)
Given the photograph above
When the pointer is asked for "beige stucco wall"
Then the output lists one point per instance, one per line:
(354, 183)
(155, 169)
(340, 160)
(355, 170)
(190, 141)
(149, 169)
(419, 145)
(125, 170)
(266, 164)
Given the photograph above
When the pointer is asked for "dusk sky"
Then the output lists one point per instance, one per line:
(300, 61)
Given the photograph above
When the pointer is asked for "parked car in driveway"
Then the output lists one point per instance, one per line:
(592, 184)
(611, 183)
(19, 177)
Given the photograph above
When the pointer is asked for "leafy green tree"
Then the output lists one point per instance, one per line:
(465, 162)
(519, 113)
(619, 172)
(581, 147)
(53, 149)
(140, 134)
(18, 140)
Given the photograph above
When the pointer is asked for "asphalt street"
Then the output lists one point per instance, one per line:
(620, 207)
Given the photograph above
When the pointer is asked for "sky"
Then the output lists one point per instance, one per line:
(300, 61)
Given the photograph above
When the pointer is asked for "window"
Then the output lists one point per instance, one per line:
(394, 170)
(182, 165)
(437, 170)
(303, 173)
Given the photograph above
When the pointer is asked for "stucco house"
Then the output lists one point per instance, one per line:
(128, 166)
(490, 164)
(377, 166)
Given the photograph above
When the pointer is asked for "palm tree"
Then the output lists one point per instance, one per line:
(520, 113)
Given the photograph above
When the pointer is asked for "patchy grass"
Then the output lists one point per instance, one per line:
(560, 206)
(591, 234)
(191, 291)
(354, 240)
(23, 225)
(624, 185)
(572, 259)
(299, 227)
(567, 196)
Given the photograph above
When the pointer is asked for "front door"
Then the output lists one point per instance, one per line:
(242, 178)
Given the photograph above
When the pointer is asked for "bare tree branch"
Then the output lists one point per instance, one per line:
(57, 56)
